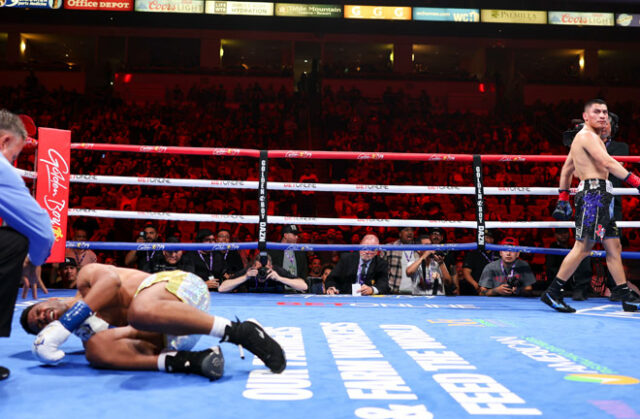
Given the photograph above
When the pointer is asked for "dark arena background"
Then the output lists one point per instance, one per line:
(344, 120)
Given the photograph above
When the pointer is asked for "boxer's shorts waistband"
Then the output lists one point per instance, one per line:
(599, 184)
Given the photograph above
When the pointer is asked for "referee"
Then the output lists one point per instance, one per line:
(26, 228)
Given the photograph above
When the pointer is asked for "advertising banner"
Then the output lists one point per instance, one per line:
(626, 19)
(438, 14)
(581, 19)
(308, 10)
(245, 8)
(531, 17)
(110, 5)
(32, 4)
(170, 6)
(377, 12)
(52, 186)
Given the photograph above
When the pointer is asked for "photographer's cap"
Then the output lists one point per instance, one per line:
(290, 228)
(509, 241)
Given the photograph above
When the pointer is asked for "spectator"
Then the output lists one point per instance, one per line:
(439, 236)
(326, 271)
(143, 258)
(315, 274)
(474, 264)
(68, 272)
(81, 256)
(32, 278)
(398, 261)
(293, 262)
(170, 260)
(271, 279)
(507, 276)
(226, 262)
(203, 260)
(428, 273)
(363, 273)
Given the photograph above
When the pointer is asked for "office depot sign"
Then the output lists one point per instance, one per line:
(111, 5)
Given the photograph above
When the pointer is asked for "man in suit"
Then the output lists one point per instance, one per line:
(293, 262)
(365, 271)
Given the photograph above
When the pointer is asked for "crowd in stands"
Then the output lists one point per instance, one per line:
(262, 117)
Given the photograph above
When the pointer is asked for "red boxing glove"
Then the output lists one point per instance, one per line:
(564, 194)
(632, 180)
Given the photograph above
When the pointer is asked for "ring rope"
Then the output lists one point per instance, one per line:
(172, 150)
(304, 247)
(233, 152)
(309, 247)
(561, 252)
(274, 219)
(342, 155)
(26, 173)
(318, 187)
(362, 222)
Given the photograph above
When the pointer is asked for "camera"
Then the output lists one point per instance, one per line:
(569, 135)
(262, 274)
(141, 234)
(440, 253)
(513, 282)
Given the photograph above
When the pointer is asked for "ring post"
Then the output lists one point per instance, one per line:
(263, 169)
(477, 183)
(52, 184)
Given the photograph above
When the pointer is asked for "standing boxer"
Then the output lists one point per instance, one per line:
(27, 227)
(589, 160)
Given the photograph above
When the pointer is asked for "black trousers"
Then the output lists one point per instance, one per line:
(13, 249)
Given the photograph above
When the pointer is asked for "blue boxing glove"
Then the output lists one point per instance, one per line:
(563, 211)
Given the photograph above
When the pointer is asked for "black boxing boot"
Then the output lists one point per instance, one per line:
(252, 336)
(208, 363)
(553, 297)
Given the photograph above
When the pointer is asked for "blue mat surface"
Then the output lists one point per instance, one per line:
(376, 357)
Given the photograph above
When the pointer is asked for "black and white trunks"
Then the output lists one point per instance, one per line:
(594, 211)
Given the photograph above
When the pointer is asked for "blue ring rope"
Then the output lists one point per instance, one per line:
(309, 247)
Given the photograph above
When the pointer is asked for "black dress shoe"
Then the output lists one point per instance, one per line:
(4, 373)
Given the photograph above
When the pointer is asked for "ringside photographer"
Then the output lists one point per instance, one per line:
(507, 276)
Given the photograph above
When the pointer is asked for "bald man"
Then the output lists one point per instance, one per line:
(360, 273)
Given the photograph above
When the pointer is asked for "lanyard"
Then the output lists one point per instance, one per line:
(210, 266)
(408, 258)
(79, 259)
(489, 259)
(510, 276)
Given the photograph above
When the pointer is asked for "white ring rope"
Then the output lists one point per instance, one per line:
(26, 173)
(363, 222)
(233, 218)
(318, 187)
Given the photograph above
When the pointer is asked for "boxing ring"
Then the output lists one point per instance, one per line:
(370, 357)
